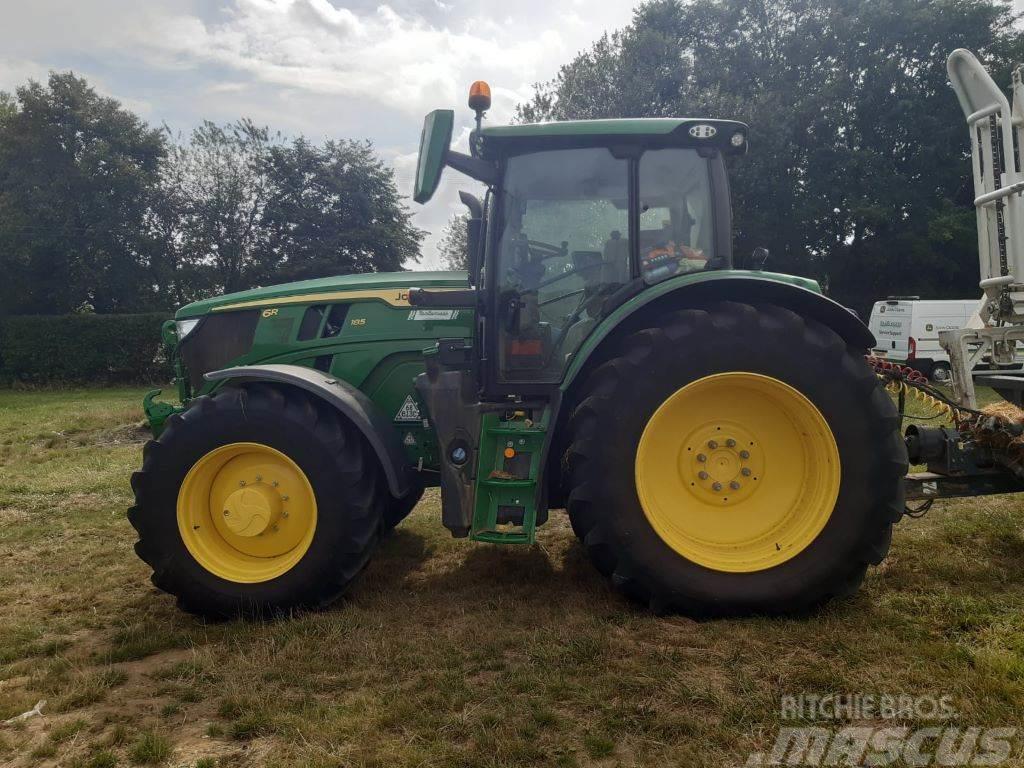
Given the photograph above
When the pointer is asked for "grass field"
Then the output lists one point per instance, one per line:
(447, 652)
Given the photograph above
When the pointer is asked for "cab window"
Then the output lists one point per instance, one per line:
(563, 250)
(676, 222)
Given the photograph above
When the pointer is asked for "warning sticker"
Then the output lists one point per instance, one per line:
(409, 439)
(409, 410)
(433, 314)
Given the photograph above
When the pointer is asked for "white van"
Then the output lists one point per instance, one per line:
(907, 330)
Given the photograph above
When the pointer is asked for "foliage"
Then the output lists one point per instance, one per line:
(207, 226)
(241, 207)
(454, 246)
(859, 172)
(99, 210)
(76, 175)
(335, 209)
(82, 349)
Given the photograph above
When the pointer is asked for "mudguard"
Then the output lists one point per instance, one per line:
(351, 402)
(798, 294)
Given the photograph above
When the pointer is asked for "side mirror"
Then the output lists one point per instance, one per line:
(434, 143)
(474, 234)
(759, 258)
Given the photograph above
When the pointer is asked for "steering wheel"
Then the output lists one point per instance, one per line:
(560, 297)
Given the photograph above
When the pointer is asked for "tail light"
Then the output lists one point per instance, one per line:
(912, 349)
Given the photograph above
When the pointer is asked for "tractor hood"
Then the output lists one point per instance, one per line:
(391, 287)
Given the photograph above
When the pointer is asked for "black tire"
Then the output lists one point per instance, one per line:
(334, 458)
(396, 510)
(940, 373)
(646, 368)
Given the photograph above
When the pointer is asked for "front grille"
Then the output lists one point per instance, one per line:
(218, 340)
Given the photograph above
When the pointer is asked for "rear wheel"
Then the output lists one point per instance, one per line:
(256, 501)
(758, 468)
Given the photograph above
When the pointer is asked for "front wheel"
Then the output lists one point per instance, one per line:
(757, 468)
(256, 501)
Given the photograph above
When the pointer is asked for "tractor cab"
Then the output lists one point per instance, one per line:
(579, 217)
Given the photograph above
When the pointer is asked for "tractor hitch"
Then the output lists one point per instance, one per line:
(957, 466)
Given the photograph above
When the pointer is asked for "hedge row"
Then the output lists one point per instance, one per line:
(40, 350)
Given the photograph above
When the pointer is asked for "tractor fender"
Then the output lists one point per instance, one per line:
(795, 293)
(351, 402)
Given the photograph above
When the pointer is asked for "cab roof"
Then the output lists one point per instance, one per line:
(679, 131)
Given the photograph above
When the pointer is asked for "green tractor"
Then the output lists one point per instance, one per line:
(714, 433)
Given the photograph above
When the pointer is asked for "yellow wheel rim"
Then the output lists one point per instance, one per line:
(737, 472)
(246, 512)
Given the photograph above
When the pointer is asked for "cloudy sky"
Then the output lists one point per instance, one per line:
(324, 68)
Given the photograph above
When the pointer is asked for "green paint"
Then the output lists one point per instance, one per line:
(434, 142)
(611, 322)
(383, 281)
(508, 482)
(656, 126)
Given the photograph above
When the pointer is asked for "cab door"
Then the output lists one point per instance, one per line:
(562, 246)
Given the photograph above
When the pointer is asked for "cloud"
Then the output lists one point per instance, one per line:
(14, 72)
(402, 62)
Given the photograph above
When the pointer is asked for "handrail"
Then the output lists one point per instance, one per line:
(990, 197)
(984, 112)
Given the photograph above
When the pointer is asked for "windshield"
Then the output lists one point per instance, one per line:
(564, 245)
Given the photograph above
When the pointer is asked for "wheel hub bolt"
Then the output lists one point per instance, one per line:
(284, 498)
(712, 444)
(259, 478)
(730, 443)
(241, 483)
(716, 487)
(734, 485)
(744, 454)
(701, 458)
(284, 513)
(745, 471)
(227, 512)
(274, 483)
(702, 475)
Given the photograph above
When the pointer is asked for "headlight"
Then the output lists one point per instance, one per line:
(737, 139)
(185, 327)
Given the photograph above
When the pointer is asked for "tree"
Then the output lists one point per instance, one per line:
(240, 206)
(858, 173)
(76, 170)
(211, 217)
(454, 246)
(334, 209)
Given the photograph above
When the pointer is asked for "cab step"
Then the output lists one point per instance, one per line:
(507, 474)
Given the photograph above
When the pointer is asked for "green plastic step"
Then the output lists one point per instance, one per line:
(495, 482)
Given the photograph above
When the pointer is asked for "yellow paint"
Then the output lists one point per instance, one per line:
(396, 297)
(737, 472)
(246, 512)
